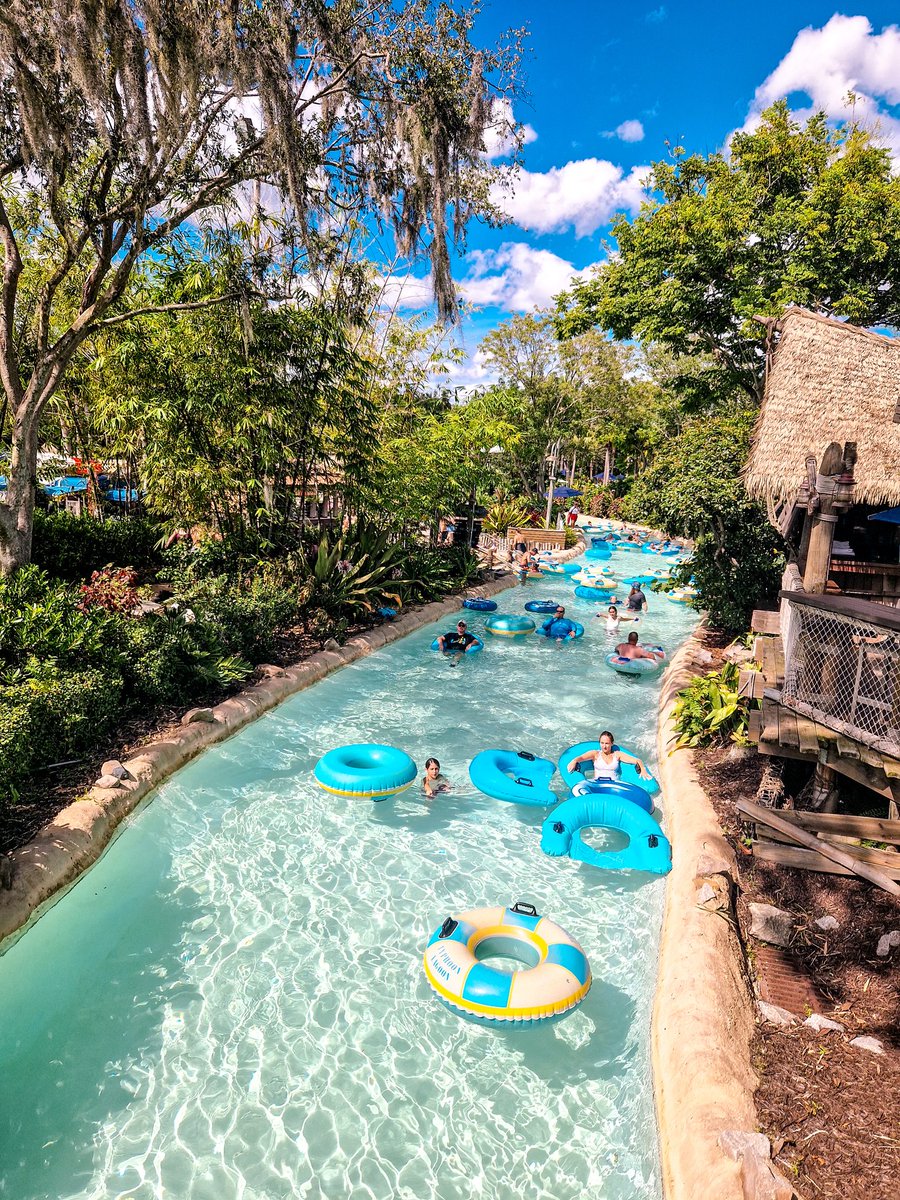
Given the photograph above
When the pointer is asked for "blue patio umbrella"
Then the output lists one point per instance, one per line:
(564, 493)
(891, 515)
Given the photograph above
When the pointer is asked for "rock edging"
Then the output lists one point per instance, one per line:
(75, 839)
(703, 1015)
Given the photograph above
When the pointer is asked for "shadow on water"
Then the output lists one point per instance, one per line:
(71, 1086)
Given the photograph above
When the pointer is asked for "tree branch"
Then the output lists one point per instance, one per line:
(161, 308)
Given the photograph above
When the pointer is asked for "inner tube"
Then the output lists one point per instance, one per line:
(579, 630)
(518, 777)
(508, 625)
(598, 553)
(566, 568)
(628, 772)
(541, 606)
(586, 592)
(683, 595)
(556, 978)
(477, 645)
(480, 605)
(648, 847)
(365, 770)
(637, 666)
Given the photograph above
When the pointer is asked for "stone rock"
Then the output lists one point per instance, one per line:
(707, 892)
(148, 608)
(771, 924)
(761, 1181)
(108, 782)
(704, 656)
(269, 671)
(775, 1015)
(737, 1142)
(202, 715)
(819, 1023)
(868, 1043)
(710, 864)
(112, 766)
(332, 644)
(826, 923)
(738, 654)
(887, 942)
(739, 753)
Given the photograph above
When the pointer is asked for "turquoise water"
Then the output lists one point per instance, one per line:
(231, 1005)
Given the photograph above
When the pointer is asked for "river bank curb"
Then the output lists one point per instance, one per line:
(703, 1014)
(63, 850)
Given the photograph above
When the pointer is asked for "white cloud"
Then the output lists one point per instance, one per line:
(403, 292)
(499, 141)
(845, 55)
(584, 194)
(630, 131)
(516, 277)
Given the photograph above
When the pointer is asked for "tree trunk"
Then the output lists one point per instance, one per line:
(17, 508)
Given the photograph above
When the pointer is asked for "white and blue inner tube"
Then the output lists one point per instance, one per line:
(365, 771)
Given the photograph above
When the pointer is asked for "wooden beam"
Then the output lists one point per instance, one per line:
(875, 829)
(767, 817)
(806, 860)
(765, 621)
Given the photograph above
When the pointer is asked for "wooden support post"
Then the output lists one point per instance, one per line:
(822, 522)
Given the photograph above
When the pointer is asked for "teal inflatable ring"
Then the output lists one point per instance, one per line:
(477, 645)
(508, 625)
(365, 771)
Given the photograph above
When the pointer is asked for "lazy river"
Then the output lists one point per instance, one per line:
(231, 1004)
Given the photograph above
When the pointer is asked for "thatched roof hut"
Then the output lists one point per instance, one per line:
(828, 382)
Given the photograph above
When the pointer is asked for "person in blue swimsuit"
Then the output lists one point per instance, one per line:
(559, 626)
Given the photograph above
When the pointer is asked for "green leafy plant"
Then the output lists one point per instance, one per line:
(710, 709)
(503, 514)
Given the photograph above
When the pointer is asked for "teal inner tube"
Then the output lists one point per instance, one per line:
(517, 776)
(477, 645)
(566, 568)
(648, 847)
(508, 625)
(637, 666)
(584, 592)
(600, 553)
(365, 770)
(628, 772)
(480, 605)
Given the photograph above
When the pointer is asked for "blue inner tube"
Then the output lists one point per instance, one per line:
(579, 630)
(365, 770)
(648, 847)
(598, 553)
(481, 605)
(519, 777)
(477, 645)
(609, 787)
(583, 592)
(566, 568)
(628, 771)
(541, 606)
(640, 579)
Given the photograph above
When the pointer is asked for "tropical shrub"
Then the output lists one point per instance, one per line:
(504, 514)
(710, 709)
(600, 500)
(111, 589)
(68, 547)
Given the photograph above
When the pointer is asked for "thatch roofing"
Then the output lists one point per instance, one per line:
(828, 382)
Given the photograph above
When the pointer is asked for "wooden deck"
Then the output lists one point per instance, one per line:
(778, 730)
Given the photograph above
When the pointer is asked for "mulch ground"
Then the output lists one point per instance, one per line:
(49, 792)
(832, 1110)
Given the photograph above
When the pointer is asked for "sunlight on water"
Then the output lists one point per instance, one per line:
(231, 1004)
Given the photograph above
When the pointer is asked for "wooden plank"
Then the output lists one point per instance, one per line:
(765, 620)
(788, 734)
(778, 751)
(768, 661)
(747, 682)
(875, 829)
(779, 667)
(845, 748)
(890, 766)
(754, 725)
(806, 731)
(769, 721)
(775, 821)
(807, 860)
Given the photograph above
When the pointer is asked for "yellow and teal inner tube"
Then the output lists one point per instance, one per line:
(508, 625)
(556, 974)
(365, 771)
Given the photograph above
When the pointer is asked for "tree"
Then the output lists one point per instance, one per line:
(796, 214)
(693, 489)
(121, 122)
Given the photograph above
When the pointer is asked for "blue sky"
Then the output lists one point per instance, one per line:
(607, 85)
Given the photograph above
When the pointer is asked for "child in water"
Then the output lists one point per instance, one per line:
(434, 782)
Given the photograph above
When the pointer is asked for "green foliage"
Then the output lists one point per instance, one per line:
(796, 214)
(693, 489)
(601, 500)
(503, 514)
(68, 547)
(709, 709)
